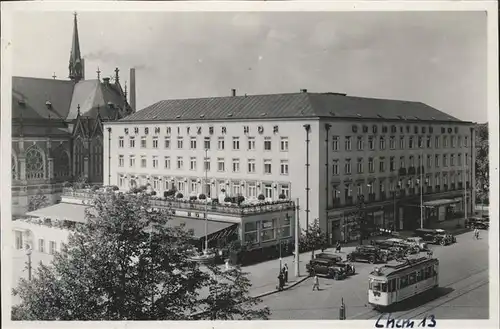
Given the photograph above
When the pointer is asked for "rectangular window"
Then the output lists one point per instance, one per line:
(180, 143)
(236, 143)
(347, 167)
(429, 161)
(392, 164)
(131, 161)
(143, 161)
(382, 142)
(236, 189)
(143, 142)
(466, 159)
(121, 142)
(267, 143)
(402, 142)
(459, 143)
(348, 143)
(360, 143)
(52, 247)
(436, 160)
(236, 165)
(284, 144)
(445, 141)
(192, 143)
(251, 166)
(402, 162)
(445, 160)
(412, 161)
(180, 162)
(267, 167)
(371, 143)
(453, 141)
(284, 167)
(221, 165)
(167, 142)
(410, 142)
(206, 143)
(251, 233)
(220, 144)
(360, 165)
(251, 143)
(392, 143)
(121, 161)
(132, 142)
(41, 245)
(437, 142)
(268, 230)
(252, 190)
(19, 240)
(452, 160)
(466, 141)
(155, 161)
(371, 165)
(268, 191)
(167, 162)
(155, 142)
(382, 164)
(335, 143)
(460, 159)
(192, 163)
(285, 190)
(420, 142)
(207, 164)
(428, 141)
(156, 183)
(335, 167)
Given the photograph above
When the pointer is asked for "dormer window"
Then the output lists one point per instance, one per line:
(111, 105)
(21, 102)
(48, 104)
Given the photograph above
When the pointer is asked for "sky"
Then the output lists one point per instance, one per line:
(438, 58)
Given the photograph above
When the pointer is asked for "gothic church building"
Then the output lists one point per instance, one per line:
(57, 129)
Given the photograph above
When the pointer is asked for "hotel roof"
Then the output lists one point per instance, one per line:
(292, 105)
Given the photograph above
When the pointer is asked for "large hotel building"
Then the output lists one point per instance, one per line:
(324, 149)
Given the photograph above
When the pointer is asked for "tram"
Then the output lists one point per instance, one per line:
(391, 284)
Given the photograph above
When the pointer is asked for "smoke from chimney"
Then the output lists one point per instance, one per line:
(132, 89)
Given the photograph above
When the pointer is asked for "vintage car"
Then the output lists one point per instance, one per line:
(478, 222)
(407, 247)
(371, 254)
(435, 236)
(326, 267)
(348, 267)
(417, 241)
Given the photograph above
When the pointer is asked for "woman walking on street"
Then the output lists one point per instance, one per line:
(316, 282)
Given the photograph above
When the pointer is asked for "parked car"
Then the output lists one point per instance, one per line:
(326, 267)
(348, 267)
(417, 241)
(478, 222)
(435, 236)
(371, 254)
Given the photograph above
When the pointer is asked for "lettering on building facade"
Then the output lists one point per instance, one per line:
(199, 130)
(211, 130)
(157, 130)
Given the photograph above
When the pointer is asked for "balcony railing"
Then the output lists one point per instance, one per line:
(198, 205)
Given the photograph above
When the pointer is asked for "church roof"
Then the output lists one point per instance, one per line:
(292, 105)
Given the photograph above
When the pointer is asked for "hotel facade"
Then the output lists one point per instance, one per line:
(325, 150)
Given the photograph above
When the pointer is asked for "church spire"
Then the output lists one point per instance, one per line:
(76, 64)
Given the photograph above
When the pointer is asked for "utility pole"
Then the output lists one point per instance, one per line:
(421, 190)
(297, 235)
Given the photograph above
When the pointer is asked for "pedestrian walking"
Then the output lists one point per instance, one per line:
(280, 281)
(477, 234)
(338, 247)
(316, 282)
(285, 272)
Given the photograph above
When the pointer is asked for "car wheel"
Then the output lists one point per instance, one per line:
(372, 260)
(350, 258)
(443, 242)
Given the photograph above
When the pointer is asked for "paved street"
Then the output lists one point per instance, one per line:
(463, 291)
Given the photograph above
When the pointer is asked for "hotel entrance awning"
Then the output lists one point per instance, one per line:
(62, 211)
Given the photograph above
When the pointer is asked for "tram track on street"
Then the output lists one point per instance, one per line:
(373, 314)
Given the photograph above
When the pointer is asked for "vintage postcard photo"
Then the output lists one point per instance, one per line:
(240, 161)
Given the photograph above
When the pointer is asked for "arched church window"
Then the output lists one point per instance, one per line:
(61, 163)
(35, 166)
(14, 167)
(97, 156)
(79, 163)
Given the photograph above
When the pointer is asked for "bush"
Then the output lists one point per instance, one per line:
(261, 197)
(202, 196)
(95, 188)
(282, 196)
(153, 192)
(179, 195)
(240, 199)
(115, 188)
(228, 199)
(67, 184)
(193, 198)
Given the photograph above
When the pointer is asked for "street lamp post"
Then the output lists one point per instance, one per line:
(28, 253)
(206, 216)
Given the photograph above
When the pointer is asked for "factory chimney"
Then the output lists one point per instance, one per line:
(132, 89)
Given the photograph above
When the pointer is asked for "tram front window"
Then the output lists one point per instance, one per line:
(378, 286)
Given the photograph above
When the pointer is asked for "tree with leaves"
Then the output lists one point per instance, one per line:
(127, 263)
(313, 237)
(482, 167)
(37, 201)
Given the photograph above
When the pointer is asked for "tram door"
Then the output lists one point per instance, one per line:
(392, 290)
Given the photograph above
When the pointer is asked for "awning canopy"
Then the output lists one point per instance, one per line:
(76, 213)
(441, 202)
(62, 211)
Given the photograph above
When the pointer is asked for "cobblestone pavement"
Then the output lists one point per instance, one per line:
(463, 291)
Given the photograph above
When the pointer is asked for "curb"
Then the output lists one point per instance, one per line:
(284, 288)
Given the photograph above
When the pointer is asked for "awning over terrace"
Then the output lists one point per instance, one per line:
(76, 213)
(441, 202)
